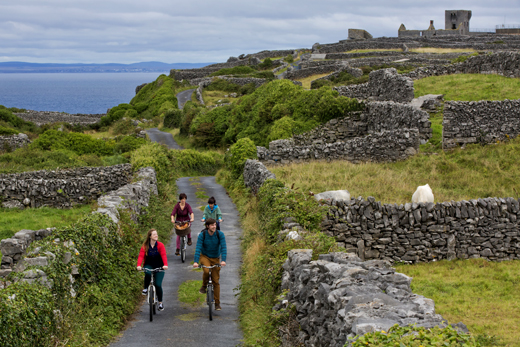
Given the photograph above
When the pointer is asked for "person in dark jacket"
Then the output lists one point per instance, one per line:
(153, 253)
(182, 212)
(211, 246)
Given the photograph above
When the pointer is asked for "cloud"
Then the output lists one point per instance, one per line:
(127, 31)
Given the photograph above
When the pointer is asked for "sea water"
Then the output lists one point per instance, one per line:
(87, 93)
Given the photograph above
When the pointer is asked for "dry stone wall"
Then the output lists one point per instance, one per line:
(12, 142)
(500, 63)
(386, 146)
(383, 85)
(189, 74)
(479, 122)
(377, 117)
(62, 188)
(45, 117)
(339, 296)
(425, 232)
(133, 196)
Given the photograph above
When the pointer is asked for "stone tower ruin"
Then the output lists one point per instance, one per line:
(457, 19)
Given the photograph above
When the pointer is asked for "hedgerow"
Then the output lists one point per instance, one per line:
(254, 116)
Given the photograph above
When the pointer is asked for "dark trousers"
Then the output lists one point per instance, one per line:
(157, 281)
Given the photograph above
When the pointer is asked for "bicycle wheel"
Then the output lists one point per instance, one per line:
(183, 249)
(151, 294)
(210, 302)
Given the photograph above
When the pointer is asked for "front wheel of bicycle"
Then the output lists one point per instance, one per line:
(151, 294)
(183, 249)
(210, 302)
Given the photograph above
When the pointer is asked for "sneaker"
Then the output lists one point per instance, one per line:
(161, 307)
(189, 242)
(177, 251)
(217, 307)
(202, 290)
(144, 292)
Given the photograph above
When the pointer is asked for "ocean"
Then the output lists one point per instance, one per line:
(87, 93)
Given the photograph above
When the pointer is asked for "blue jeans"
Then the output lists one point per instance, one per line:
(157, 281)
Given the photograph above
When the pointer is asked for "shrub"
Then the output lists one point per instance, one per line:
(247, 89)
(190, 110)
(128, 143)
(173, 118)
(154, 155)
(289, 59)
(8, 131)
(189, 162)
(237, 70)
(76, 142)
(238, 154)
(282, 129)
(116, 113)
(266, 64)
(223, 85)
(123, 126)
(8, 119)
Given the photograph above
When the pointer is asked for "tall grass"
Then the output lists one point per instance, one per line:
(469, 87)
(483, 295)
(471, 173)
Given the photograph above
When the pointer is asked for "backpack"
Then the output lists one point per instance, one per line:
(204, 235)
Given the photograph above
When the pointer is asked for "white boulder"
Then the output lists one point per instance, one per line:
(333, 194)
(423, 194)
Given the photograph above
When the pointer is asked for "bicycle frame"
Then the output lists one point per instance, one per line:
(151, 297)
(210, 299)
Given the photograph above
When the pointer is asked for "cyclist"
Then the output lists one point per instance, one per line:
(211, 245)
(182, 212)
(212, 211)
(153, 253)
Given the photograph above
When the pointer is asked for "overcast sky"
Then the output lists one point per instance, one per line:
(174, 31)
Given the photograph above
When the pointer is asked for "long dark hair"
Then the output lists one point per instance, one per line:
(146, 243)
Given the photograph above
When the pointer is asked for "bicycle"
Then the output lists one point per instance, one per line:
(183, 229)
(210, 300)
(152, 293)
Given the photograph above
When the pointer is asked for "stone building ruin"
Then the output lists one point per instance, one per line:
(456, 22)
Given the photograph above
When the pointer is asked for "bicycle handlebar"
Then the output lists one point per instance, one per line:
(159, 269)
(210, 267)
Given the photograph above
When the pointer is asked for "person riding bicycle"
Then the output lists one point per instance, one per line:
(212, 211)
(182, 212)
(211, 245)
(153, 253)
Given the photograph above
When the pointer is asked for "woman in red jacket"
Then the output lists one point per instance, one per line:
(154, 255)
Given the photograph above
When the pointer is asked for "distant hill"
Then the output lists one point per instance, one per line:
(149, 66)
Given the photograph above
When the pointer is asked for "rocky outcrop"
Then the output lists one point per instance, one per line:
(255, 173)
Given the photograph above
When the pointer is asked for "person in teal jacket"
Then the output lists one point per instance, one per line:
(212, 211)
(211, 247)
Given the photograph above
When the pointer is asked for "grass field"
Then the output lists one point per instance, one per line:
(213, 97)
(442, 50)
(483, 295)
(469, 87)
(306, 82)
(374, 50)
(462, 174)
(12, 221)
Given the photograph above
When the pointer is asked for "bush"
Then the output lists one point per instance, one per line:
(173, 118)
(266, 64)
(8, 131)
(128, 143)
(76, 142)
(247, 88)
(192, 162)
(154, 155)
(190, 110)
(223, 85)
(237, 70)
(238, 154)
(289, 59)
(123, 127)
(9, 120)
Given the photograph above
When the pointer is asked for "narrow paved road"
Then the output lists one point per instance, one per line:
(184, 97)
(179, 324)
(162, 137)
